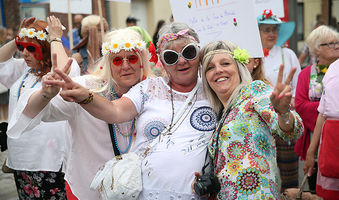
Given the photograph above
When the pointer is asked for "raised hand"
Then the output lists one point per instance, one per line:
(48, 90)
(54, 27)
(71, 91)
(27, 22)
(281, 96)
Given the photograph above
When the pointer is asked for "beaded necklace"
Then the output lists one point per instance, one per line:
(115, 127)
(23, 81)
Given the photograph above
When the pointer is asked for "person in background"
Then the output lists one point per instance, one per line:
(131, 21)
(38, 158)
(77, 29)
(251, 113)
(4, 92)
(305, 55)
(274, 33)
(323, 43)
(92, 142)
(325, 136)
(256, 68)
(89, 46)
(160, 24)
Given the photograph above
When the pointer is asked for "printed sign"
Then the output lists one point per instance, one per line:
(214, 20)
(126, 1)
(77, 6)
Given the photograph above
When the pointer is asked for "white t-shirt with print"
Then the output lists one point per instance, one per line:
(168, 170)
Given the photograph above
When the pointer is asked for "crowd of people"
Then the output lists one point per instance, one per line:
(251, 118)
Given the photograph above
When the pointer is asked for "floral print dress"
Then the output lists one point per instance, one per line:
(40, 185)
(246, 160)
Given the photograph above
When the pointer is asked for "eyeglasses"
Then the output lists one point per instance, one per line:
(31, 47)
(189, 52)
(330, 45)
(132, 59)
(269, 30)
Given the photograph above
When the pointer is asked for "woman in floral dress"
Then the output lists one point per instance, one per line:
(251, 114)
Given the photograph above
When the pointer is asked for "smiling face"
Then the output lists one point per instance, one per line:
(222, 75)
(184, 74)
(126, 73)
(268, 35)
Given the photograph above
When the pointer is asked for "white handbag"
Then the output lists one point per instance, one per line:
(120, 178)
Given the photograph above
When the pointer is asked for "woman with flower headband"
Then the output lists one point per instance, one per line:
(171, 113)
(323, 43)
(123, 63)
(37, 158)
(274, 33)
(243, 148)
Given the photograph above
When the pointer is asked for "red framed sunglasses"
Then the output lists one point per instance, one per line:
(31, 47)
(132, 59)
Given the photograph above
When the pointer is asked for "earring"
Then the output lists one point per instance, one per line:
(254, 66)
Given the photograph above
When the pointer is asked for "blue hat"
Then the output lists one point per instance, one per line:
(286, 29)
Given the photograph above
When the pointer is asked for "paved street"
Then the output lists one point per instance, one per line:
(7, 185)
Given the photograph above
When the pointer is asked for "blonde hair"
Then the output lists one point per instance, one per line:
(259, 74)
(244, 74)
(103, 73)
(319, 36)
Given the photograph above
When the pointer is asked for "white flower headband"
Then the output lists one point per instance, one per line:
(31, 33)
(116, 47)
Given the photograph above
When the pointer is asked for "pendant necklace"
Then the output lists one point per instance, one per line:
(23, 81)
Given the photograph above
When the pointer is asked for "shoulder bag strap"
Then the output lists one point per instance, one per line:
(221, 122)
(115, 148)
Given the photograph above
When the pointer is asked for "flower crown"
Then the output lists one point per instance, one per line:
(267, 14)
(240, 55)
(31, 33)
(116, 47)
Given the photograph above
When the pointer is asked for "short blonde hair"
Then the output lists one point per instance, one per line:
(244, 74)
(102, 68)
(319, 36)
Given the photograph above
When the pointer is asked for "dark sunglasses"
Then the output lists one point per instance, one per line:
(31, 47)
(189, 52)
(132, 59)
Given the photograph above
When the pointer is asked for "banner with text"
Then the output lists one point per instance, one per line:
(214, 20)
(77, 6)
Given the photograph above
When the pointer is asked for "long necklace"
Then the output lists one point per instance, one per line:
(191, 104)
(23, 81)
(170, 126)
(115, 127)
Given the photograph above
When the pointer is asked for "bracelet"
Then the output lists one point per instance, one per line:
(55, 40)
(285, 117)
(88, 100)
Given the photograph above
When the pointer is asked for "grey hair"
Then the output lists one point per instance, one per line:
(318, 36)
(244, 74)
(175, 27)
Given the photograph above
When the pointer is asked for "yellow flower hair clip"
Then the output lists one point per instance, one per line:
(241, 55)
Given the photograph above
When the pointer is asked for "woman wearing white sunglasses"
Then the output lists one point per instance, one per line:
(172, 111)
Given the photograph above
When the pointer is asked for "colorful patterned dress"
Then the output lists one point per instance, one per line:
(246, 161)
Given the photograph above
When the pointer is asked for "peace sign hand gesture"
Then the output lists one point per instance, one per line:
(281, 96)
